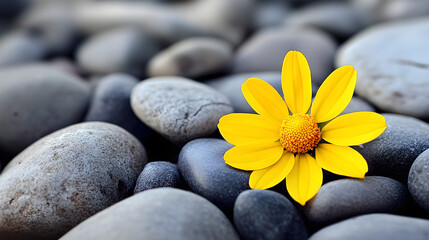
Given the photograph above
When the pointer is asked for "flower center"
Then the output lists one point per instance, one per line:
(299, 133)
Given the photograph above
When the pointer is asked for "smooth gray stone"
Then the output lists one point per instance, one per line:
(267, 215)
(36, 100)
(345, 198)
(266, 49)
(66, 177)
(157, 175)
(203, 168)
(178, 108)
(111, 103)
(21, 47)
(357, 104)
(193, 58)
(119, 50)
(392, 68)
(394, 151)
(376, 227)
(269, 13)
(418, 180)
(159, 214)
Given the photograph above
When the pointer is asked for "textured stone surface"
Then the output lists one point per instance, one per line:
(119, 50)
(179, 109)
(193, 58)
(376, 227)
(204, 170)
(418, 180)
(111, 103)
(345, 198)
(392, 68)
(157, 175)
(66, 177)
(266, 49)
(394, 151)
(267, 215)
(160, 214)
(36, 100)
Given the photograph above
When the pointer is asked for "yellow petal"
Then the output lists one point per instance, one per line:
(264, 99)
(296, 82)
(254, 156)
(341, 160)
(272, 175)
(354, 128)
(305, 179)
(334, 94)
(244, 128)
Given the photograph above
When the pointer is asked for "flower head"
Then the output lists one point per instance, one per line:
(294, 138)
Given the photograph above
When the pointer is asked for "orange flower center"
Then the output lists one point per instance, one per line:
(299, 133)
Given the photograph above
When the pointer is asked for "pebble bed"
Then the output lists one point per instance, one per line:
(109, 113)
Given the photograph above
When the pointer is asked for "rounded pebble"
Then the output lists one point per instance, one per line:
(418, 180)
(267, 215)
(162, 214)
(204, 170)
(178, 108)
(66, 177)
(157, 175)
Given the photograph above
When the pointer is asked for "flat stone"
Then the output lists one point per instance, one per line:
(192, 58)
(376, 227)
(178, 108)
(266, 49)
(394, 151)
(265, 214)
(392, 68)
(162, 214)
(36, 100)
(418, 180)
(111, 103)
(345, 198)
(66, 177)
(157, 175)
(203, 168)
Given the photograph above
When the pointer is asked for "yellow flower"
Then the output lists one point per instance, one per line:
(276, 145)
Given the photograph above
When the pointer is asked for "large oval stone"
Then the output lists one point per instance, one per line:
(36, 100)
(162, 214)
(392, 66)
(66, 177)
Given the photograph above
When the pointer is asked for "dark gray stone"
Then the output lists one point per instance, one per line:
(36, 100)
(204, 170)
(66, 177)
(267, 215)
(418, 180)
(345, 198)
(178, 108)
(394, 151)
(266, 49)
(157, 175)
(111, 103)
(376, 227)
(21, 47)
(193, 58)
(161, 214)
(120, 50)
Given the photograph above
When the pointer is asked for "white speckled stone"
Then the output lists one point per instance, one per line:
(158, 214)
(66, 177)
(392, 65)
(178, 108)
